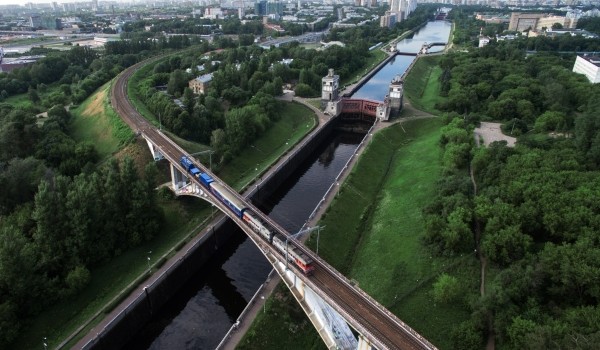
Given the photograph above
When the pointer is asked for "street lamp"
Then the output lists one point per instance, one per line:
(148, 260)
(45, 343)
(318, 235)
(264, 304)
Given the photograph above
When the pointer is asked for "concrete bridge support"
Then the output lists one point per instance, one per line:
(182, 186)
(333, 108)
(155, 151)
(383, 110)
(332, 328)
(178, 179)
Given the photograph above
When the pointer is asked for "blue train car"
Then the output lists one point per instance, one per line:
(186, 163)
(226, 197)
(205, 179)
(189, 166)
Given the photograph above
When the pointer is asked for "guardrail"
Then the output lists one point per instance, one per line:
(241, 317)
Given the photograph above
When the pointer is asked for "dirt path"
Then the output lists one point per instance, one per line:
(491, 341)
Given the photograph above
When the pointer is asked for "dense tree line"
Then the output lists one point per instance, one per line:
(501, 83)
(81, 70)
(239, 103)
(534, 217)
(591, 24)
(78, 72)
(58, 216)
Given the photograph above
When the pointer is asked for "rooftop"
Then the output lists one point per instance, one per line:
(592, 59)
(205, 78)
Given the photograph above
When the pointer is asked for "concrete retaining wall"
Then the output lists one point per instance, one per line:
(367, 77)
(154, 296)
(118, 332)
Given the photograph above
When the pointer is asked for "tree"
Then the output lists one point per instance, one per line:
(446, 289)
(506, 245)
(304, 90)
(33, 95)
(177, 82)
(19, 181)
(52, 226)
(550, 121)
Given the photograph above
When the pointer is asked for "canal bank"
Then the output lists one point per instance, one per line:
(150, 296)
(265, 333)
(260, 187)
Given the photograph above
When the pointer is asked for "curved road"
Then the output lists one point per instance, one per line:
(362, 312)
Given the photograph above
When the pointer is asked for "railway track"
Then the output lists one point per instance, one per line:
(362, 312)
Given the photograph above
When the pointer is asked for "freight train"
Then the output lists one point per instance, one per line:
(294, 255)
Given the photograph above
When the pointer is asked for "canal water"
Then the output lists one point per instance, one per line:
(377, 87)
(207, 306)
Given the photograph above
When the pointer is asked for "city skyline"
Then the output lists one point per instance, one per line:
(21, 3)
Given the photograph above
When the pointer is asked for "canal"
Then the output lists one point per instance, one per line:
(206, 307)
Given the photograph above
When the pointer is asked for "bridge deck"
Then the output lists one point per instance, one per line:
(362, 312)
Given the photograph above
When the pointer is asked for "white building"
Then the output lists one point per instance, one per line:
(483, 40)
(589, 66)
(213, 13)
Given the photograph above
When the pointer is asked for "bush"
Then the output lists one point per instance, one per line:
(304, 90)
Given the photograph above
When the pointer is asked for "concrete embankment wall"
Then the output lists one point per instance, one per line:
(264, 188)
(156, 294)
(370, 75)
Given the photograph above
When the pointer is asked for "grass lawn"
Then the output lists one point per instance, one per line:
(372, 235)
(112, 281)
(296, 121)
(382, 245)
(422, 84)
(375, 57)
(22, 101)
(95, 122)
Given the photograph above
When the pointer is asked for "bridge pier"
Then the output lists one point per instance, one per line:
(178, 179)
(332, 328)
(154, 150)
(182, 186)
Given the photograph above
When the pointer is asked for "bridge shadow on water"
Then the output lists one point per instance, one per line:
(204, 308)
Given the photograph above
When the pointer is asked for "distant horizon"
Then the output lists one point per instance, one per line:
(22, 3)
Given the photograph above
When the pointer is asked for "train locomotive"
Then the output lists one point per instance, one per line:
(294, 255)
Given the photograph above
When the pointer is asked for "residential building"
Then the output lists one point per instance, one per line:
(199, 84)
(589, 66)
(537, 21)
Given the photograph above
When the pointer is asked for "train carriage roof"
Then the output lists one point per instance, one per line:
(227, 195)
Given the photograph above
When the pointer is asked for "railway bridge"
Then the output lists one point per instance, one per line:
(337, 308)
